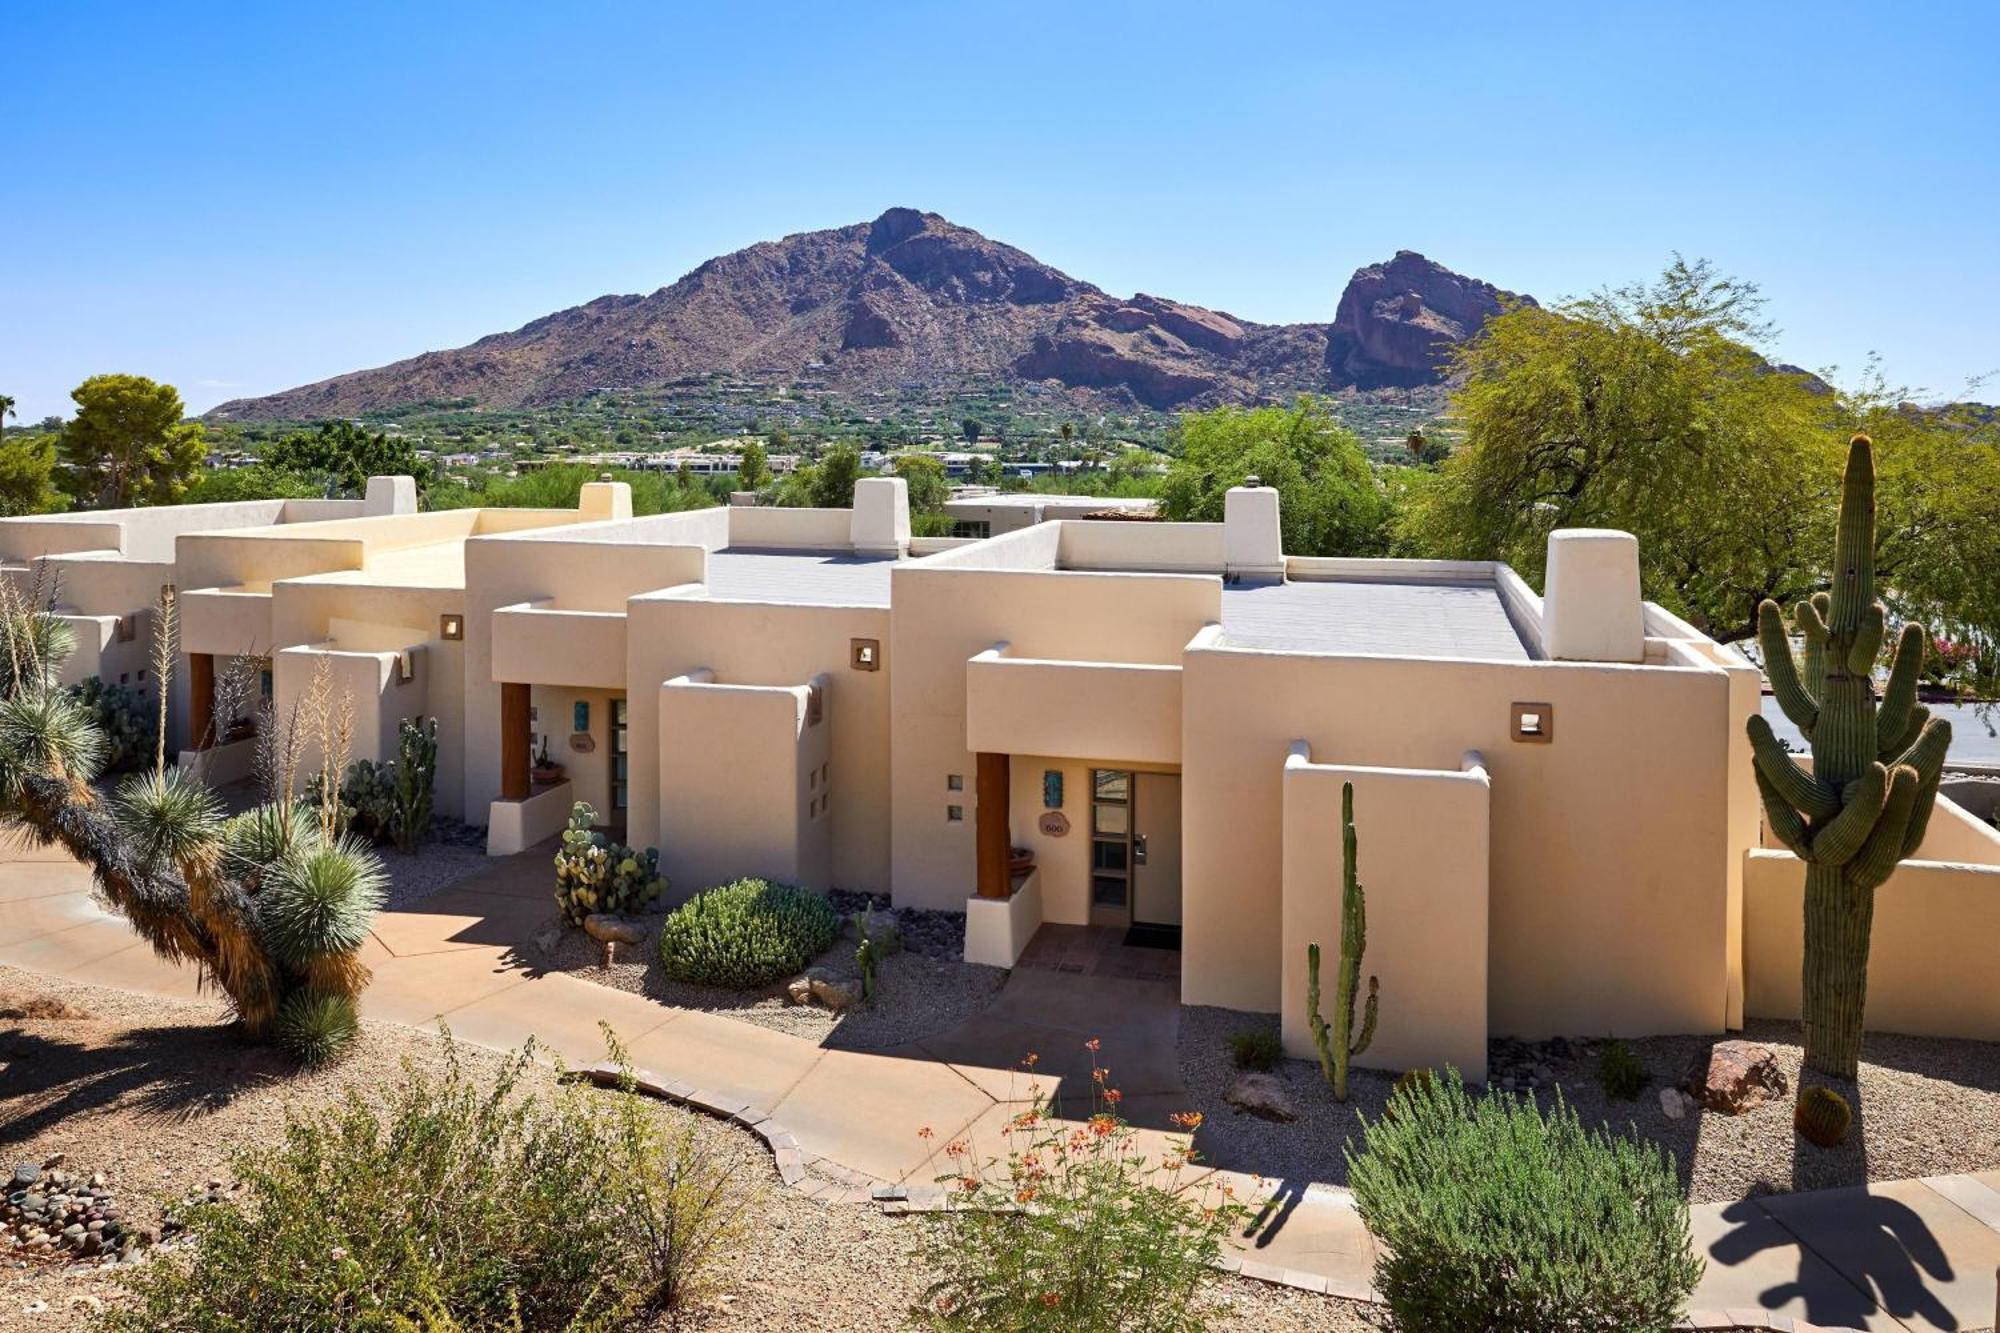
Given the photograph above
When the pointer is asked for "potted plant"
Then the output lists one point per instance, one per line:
(545, 769)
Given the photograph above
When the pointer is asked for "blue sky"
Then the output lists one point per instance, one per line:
(241, 201)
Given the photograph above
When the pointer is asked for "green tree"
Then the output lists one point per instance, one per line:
(971, 428)
(127, 444)
(926, 480)
(256, 482)
(1329, 500)
(833, 478)
(6, 410)
(753, 472)
(27, 472)
(1643, 408)
(343, 455)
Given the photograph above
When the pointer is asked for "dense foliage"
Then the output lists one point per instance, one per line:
(460, 1202)
(1329, 500)
(27, 476)
(127, 444)
(746, 934)
(561, 485)
(340, 457)
(1078, 1229)
(1494, 1218)
(125, 718)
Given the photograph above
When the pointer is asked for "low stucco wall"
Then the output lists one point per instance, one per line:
(997, 930)
(1931, 957)
(747, 784)
(515, 826)
(1422, 855)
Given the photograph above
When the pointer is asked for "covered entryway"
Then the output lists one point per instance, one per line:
(1135, 854)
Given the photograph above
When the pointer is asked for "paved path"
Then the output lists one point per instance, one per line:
(844, 1125)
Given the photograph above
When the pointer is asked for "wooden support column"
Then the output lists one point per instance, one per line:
(201, 700)
(991, 828)
(513, 742)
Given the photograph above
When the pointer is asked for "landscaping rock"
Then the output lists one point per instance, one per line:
(836, 993)
(1262, 1095)
(1674, 1104)
(800, 990)
(1734, 1077)
(606, 928)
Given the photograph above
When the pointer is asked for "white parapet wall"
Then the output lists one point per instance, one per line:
(515, 826)
(998, 929)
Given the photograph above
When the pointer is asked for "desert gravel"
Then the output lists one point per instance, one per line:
(916, 996)
(157, 1094)
(1926, 1106)
(453, 853)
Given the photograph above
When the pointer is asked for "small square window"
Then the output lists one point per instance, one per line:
(954, 814)
(864, 654)
(1534, 723)
(451, 627)
(954, 782)
(812, 780)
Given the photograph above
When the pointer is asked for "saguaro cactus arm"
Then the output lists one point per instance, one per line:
(1800, 704)
(1861, 805)
(1794, 785)
(1899, 697)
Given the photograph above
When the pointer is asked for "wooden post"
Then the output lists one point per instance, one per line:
(513, 742)
(201, 700)
(991, 828)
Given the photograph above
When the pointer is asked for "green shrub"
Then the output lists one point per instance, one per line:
(1411, 1078)
(313, 1027)
(746, 934)
(595, 874)
(1619, 1072)
(125, 717)
(1822, 1117)
(1494, 1218)
(1077, 1229)
(1256, 1048)
(461, 1203)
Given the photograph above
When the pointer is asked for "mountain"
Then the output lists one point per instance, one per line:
(913, 300)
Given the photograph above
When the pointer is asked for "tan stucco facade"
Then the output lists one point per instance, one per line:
(1558, 826)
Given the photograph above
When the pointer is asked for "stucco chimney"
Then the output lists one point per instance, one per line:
(390, 495)
(604, 499)
(881, 522)
(1591, 610)
(1253, 546)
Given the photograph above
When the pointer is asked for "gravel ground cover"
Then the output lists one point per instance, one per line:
(155, 1094)
(1925, 1106)
(917, 994)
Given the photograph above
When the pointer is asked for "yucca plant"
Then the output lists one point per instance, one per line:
(266, 905)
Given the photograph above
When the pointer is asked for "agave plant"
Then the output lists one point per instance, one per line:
(270, 909)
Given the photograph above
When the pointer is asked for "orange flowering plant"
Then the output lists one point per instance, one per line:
(1079, 1227)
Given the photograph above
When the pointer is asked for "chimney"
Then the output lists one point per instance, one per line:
(881, 521)
(604, 499)
(390, 495)
(1253, 548)
(1591, 610)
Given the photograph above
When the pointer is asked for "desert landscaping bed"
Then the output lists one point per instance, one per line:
(1925, 1106)
(156, 1094)
(923, 989)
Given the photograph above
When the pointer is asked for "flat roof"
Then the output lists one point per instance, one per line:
(1465, 620)
(807, 578)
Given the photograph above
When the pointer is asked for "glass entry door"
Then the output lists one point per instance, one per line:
(621, 762)
(1110, 847)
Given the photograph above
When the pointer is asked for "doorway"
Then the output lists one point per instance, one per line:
(621, 762)
(1135, 853)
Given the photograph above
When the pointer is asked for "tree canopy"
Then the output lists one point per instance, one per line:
(924, 475)
(27, 476)
(1329, 500)
(753, 471)
(342, 456)
(127, 444)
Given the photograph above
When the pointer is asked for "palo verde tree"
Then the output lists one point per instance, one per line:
(1329, 500)
(1867, 799)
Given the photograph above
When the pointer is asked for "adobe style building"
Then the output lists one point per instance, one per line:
(1084, 721)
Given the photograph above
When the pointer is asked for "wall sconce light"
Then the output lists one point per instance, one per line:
(451, 627)
(865, 654)
(406, 666)
(1534, 723)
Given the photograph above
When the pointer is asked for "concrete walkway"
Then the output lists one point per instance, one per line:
(846, 1126)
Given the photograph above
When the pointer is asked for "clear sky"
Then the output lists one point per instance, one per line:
(242, 198)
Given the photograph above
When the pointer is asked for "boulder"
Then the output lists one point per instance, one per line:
(606, 928)
(836, 993)
(1263, 1096)
(1734, 1077)
(1674, 1104)
(799, 990)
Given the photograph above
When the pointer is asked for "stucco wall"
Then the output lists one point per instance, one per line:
(1610, 845)
(1425, 899)
(751, 643)
(1930, 960)
(954, 606)
(1080, 709)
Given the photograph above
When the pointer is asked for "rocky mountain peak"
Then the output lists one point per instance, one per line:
(1397, 322)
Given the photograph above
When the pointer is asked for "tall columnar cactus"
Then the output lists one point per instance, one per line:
(416, 781)
(1867, 799)
(1337, 1041)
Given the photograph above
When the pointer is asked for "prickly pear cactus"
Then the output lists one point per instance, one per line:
(1867, 799)
(416, 781)
(1336, 1041)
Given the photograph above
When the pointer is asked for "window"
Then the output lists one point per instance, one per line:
(621, 759)
(1111, 841)
(954, 814)
(979, 529)
(954, 782)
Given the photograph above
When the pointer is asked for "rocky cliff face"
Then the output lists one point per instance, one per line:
(1397, 322)
(913, 299)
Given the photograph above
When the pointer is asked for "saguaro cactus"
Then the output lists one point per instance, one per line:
(1337, 1042)
(1867, 799)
